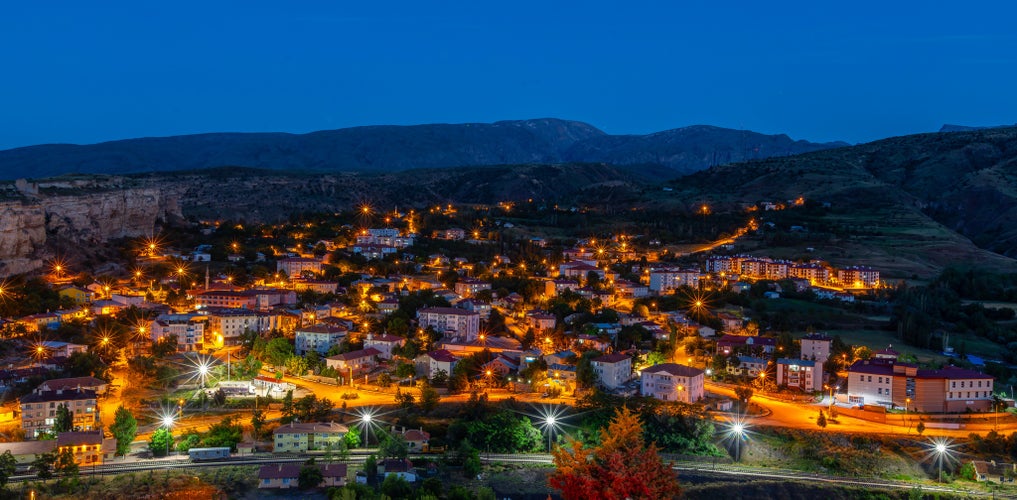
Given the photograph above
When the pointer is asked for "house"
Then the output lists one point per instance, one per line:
(384, 343)
(481, 307)
(38, 322)
(62, 349)
(388, 305)
(592, 342)
(803, 374)
(747, 366)
(417, 440)
(613, 370)
(947, 390)
(284, 476)
(431, 363)
(994, 471)
(307, 436)
(673, 382)
(227, 326)
(77, 295)
(502, 365)
(451, 321)
(67, 384)
(741, 343)
(552, 288)
(541, 321)
(665, 280)
(319, 338)
(361, 360)
(87, 447)
(402, 468)
(38, 409)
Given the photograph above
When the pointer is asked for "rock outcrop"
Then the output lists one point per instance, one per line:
(83, 213)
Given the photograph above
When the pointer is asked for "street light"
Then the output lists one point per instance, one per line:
(907, 423)
(167, 422)
(550, 421)
(940, 450)
(736, 431)
(366, 419)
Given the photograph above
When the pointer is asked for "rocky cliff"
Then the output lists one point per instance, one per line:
(34, 217)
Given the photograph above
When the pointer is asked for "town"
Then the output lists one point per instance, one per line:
(342, 338)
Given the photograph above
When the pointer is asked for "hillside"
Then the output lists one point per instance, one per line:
(928, 196)
(397, 148)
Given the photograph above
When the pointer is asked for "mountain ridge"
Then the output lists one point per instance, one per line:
(387, 148)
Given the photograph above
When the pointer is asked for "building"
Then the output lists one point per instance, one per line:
(673, 382)
(541, 321)
(26, 452)
(741, 343)
(613, 370)
(319, 338)
(802, 374)
(67, 384)
(308, 436)
(62, 349)
(228, 326)
(665, 280)
(431, 363)
(858, 277)
(38, 409)
(296, 266)
(816, 346)
(748, 366)
(384, 343)
(554, 287)
(948, 390)
(450, 321)
(87, 447)
(469, 287)
(354, 361)
(285, 476)
(189, 330)
(395, 467)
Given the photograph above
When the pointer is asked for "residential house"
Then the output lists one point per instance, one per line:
(554, 287)
(307, 436)
(994, 471)
(673, 382)
(62, 349)
(469, 287)
(87, 447)
(395, 467)
(502, 365)
(747, 366)
(77, 294)
(665, 280)
(431, 363)
(541, 321)
(613, 370)
(803, 374)
(741, 343)
(319, 338)
(26, 452)
(285, 476)
(67, 384)
(189, 330)
(384, 343)
(356, 361)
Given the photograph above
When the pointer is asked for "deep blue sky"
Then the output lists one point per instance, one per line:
(85, 72)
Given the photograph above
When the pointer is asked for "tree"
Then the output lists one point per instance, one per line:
(8, 464)
(161, 443)
(622, 466)
(287, 408)
(310, 475)
(821, 419)
(226, 432)
(124, 429)
(394, 446)
(64, 420)
(278, 350)
(586, 375)
(394, 486)
(405, 370)
(258, 423)
(352, 438)
(43, 465)
(920, 428)
(371, 466)
(64, 464)
(429, 399)
(743, 393)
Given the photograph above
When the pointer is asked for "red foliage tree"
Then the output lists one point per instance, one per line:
(621, 467)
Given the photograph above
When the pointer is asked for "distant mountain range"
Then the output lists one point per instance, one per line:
(380, 149)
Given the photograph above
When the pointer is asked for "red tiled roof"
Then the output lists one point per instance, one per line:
(611, 358)
(442, 355)
(362, 353)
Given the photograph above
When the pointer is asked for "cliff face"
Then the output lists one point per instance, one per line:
(82, 215)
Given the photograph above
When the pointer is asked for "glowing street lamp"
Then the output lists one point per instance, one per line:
(941, 449)
(737, 432)
(366, 420)
(167, 422)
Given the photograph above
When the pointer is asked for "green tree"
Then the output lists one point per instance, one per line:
(429, 399)
(743, 393)
(471, 462)
(821, 419)
(310, 475)
(124, 429)
(258, 423)
(586, 376)
(278, 350)
(8, 465)
(394, 446)
(287, 408)
(43, 465)
(161, 442)
(227, 432)
(64, 420)
(405, 370)
(394, 486)
(352, 438)
(64, 464)
(655, 358)
(371, 467)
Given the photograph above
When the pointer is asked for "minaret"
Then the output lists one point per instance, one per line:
(206, 277)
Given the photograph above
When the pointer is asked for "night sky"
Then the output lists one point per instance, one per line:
(856, 71)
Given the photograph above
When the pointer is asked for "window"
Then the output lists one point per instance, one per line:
(870, 378)
(953, 385)
(880, 380)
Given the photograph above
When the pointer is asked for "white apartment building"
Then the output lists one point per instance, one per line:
(665, 280)
(319, 338)
(613, 370)
(451, 320)
(673, 382)
(189, 330)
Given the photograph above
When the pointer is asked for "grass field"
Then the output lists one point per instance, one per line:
(876, 340)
